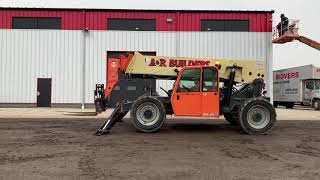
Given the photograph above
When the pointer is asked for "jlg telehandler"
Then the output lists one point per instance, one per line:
(202, 88)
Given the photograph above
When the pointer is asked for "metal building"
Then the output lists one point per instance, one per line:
(52, 57)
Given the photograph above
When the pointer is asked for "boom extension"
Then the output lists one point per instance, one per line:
(309, 42)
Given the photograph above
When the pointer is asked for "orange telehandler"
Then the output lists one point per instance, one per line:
(202, 88)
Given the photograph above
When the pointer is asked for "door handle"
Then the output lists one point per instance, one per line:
(178, 97)
(38, 93)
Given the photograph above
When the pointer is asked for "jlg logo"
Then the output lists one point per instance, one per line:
(176, 62)
(288, 75)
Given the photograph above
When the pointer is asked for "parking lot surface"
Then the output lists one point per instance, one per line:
(58, 144)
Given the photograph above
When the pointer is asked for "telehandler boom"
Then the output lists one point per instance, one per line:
(203, 88)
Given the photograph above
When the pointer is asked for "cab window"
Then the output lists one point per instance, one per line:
(317, 84)
(210, 80)
(310, 85)
(190, 81)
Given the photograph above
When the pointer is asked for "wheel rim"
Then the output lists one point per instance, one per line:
(258, 117)
(147, 114)
(316, 105)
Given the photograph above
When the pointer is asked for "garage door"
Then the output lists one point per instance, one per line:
(129, 89)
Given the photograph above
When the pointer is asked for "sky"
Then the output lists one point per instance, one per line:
(284, 56)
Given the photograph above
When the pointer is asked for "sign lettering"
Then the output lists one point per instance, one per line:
(288, 75)
(176, 62)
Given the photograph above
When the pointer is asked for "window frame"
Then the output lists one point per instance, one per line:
(308, 83)
(36, 25)
(214, 80)
(129, 28)
(225, 25)
(180, 89)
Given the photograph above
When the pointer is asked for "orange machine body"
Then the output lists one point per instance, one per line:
(197, 104)
(113, 67)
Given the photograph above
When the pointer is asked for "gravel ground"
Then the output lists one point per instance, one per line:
(64, 148)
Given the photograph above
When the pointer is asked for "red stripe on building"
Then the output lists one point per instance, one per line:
(97, 19)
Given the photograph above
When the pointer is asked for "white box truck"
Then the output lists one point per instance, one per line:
(297, 85)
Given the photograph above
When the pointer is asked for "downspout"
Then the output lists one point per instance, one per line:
(269, 59)
(85, 31)
(178, 35)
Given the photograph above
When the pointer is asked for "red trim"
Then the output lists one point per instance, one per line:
(181, 20)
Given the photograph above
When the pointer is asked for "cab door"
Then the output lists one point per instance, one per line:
(210, 92)
(186, 97)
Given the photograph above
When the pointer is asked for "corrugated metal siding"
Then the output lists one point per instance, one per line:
(182, 21)
(30, 54)
(26, 55)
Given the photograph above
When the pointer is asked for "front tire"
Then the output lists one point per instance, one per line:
(257, 116)
(148, 114)
(316, 104)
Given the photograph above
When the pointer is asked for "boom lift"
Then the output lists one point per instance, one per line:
(196, 92)
(292, 33)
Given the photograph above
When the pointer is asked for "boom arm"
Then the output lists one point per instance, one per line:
(162, 67)
(309, 42)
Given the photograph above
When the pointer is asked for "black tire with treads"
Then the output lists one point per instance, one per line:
(258, 103)
(158, 107)
(316, 104)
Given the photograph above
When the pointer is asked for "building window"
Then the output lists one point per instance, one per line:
(225, 25)
(36, 23)
(131, 24)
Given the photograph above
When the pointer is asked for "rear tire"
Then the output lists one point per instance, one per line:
(316, 104)
(257, 116)
(148, 114)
